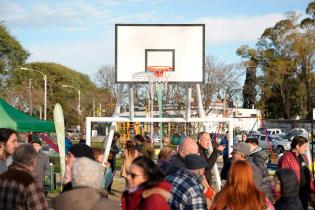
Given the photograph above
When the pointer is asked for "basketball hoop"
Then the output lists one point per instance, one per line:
(155, 76)
(159, 71)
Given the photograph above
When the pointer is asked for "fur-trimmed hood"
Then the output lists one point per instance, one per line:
(158, 196)
(162, 188)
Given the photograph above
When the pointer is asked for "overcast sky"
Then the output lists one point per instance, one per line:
(80, 34)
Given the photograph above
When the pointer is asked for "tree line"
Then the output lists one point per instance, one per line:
(280, 78)
(25, 89)
(279, 73)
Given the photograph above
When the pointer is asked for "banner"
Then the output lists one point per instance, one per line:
(60, 131)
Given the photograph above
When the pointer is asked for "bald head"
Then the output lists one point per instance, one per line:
(188, 146)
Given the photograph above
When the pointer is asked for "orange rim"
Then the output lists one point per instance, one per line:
(159, 71)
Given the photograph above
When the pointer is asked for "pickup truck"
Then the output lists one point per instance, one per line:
(277, 143)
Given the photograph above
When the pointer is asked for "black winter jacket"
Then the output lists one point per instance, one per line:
(289, 191)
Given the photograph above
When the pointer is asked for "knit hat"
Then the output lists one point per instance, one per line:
(36, 141)
(82, 150)
(242, 147)
(194, 161)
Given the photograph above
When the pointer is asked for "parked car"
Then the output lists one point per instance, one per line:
(298, 132)
(274, 131)
(277, 143)
(284, 136)
(270, 131)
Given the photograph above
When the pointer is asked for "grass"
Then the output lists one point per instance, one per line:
(55, 159)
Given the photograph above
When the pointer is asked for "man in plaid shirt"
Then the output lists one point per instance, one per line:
(18, 188)
(187, 191)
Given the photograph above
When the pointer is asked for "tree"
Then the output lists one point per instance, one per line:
(287, 53)
(285, 56)
(304, 50)
(57, 75)
(249, 88)
(105, 81)
(221, 81)
(12, 54)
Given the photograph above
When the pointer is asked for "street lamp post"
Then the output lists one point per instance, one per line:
(79, 102)
(45, 87)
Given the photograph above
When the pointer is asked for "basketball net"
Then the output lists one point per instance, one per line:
(157, 77)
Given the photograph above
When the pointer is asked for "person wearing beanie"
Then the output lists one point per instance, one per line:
(42, 162)
(76, 151)
(82, 150)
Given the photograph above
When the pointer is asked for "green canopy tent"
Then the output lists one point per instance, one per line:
(21, 122)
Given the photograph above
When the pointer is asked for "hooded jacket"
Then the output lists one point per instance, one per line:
(260, 157)
(154, 198)
(289, 199)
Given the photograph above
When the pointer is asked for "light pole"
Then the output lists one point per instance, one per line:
(45, 87)
(79, 102)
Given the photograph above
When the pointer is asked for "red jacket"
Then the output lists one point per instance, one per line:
(149, 199)
(289, 160)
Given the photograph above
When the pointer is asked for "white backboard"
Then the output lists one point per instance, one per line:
(181, 46)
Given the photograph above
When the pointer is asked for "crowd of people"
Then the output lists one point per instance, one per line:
(180, 178)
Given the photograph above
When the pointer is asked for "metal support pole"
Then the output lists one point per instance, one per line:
(45, 95)
(200, 107)
(113, 125)
(131, 103)
(210, 149)
(188, 103)
(45, 88)
(79, 109)
(231, 142)
(30, 95)
(52, 177)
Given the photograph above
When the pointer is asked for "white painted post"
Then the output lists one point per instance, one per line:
(201, 111)
(113, 125)
(188, 103)
(131, 103)
(231, 140)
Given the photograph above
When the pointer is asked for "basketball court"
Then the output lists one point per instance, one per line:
(158, 55)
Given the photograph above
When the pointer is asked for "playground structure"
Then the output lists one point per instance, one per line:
(158, 54)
